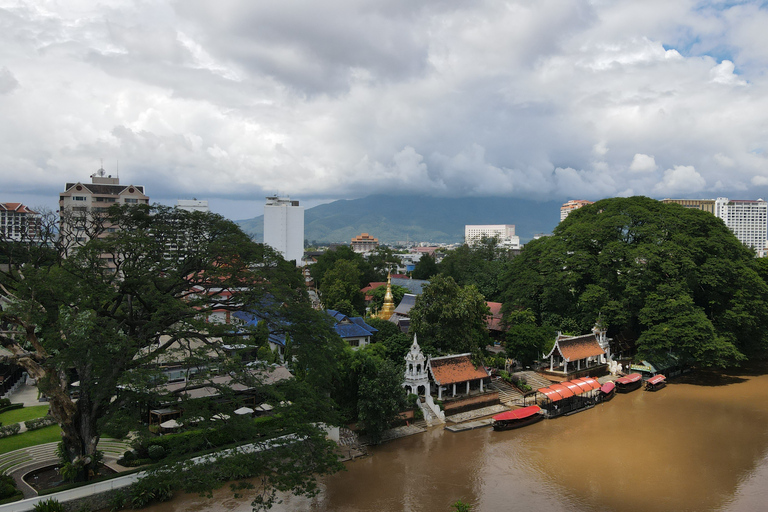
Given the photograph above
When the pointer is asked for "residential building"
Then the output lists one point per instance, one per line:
(82, 206)
(18, 223)
(364, 243)
(573, 204)
(192, 205)
(505, 233)
(353, 330)
(748, 219)
(284, 227)
(707, 205)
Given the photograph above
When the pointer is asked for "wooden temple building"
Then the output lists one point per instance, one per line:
(573, 354)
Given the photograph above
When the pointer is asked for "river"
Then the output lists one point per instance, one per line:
(700, 444)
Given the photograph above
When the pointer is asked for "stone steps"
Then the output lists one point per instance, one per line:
(17, 459)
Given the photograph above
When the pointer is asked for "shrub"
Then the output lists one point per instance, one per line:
(49, 505)
(5, 402)
(129, 455)
(9, 430)
(117, 501)
(145, 492)
(156, 452)
(39, 422)
(8, 489)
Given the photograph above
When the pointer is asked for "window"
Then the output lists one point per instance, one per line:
(78, 198)
(128, 200)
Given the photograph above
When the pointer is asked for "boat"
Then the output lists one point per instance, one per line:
(629, 383)
(655, 383)
(607, 391)
(517, 418)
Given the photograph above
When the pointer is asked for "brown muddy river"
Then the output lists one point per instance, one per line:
(687, 447)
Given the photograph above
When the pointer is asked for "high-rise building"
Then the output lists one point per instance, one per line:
(748, 219)
(573, 204)
(505, 233)
(284, 227)
(192, 205)
(18, 223)
(82, 206)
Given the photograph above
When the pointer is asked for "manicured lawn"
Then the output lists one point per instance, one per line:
(26, 439)
(27, 413)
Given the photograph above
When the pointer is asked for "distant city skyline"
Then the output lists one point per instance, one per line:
(235, 101)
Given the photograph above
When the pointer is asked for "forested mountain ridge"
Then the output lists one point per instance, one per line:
(429, 219)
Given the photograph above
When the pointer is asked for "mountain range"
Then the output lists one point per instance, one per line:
(394, 219)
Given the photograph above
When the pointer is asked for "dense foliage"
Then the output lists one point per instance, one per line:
(479, 265)
(104, 312)
(676, 280)
(449, 318)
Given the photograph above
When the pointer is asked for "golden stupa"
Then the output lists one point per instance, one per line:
(389, 302)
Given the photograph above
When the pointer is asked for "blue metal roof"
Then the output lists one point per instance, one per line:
(350, 327)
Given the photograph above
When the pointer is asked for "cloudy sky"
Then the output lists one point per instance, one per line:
(232, 100)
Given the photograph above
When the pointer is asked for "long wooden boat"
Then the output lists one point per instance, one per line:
(655, 383)
(629, 383)
(517, 418)
(607, 391)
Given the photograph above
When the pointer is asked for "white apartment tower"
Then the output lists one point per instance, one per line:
(748, 219)
(284, 227)
(505, 233)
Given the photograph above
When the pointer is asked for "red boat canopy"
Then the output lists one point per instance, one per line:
(518, 414)
(562, 390)
(587, 383)
(553, 395)
(656, 379)
(629, 379)
(607, 387)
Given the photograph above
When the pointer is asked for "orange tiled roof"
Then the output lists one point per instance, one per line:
(573, 348)
(494, 319)
(453, 369)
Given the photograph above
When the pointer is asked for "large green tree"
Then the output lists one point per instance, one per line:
(673, 278)
(449, 318)
(480, 265)
(105, 311)
(342, 283)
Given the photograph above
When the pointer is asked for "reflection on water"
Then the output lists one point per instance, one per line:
(685, 448)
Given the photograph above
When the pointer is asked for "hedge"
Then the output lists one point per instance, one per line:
(9, 430)
(39, 422)
(10, 407)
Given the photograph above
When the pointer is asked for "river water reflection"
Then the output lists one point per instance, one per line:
(688, 447)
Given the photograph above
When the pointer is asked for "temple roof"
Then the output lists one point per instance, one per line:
(454, 369)
(573, 348)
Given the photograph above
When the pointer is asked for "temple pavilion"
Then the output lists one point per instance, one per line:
(576, 353)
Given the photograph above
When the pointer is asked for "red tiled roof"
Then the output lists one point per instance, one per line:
(574, 348)
(15, 207)
(494, 319)
(370, 288)
(454, 369)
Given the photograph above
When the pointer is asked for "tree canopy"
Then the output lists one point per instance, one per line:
(106, 311)
(449, 318)
(673, 278)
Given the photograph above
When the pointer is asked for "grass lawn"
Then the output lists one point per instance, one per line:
(35, 437)
(27, 413)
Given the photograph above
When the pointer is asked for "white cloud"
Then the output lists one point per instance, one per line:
(681, 179)
(525, 99)
(643, 163)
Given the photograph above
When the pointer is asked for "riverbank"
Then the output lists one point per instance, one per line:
(688, 447)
